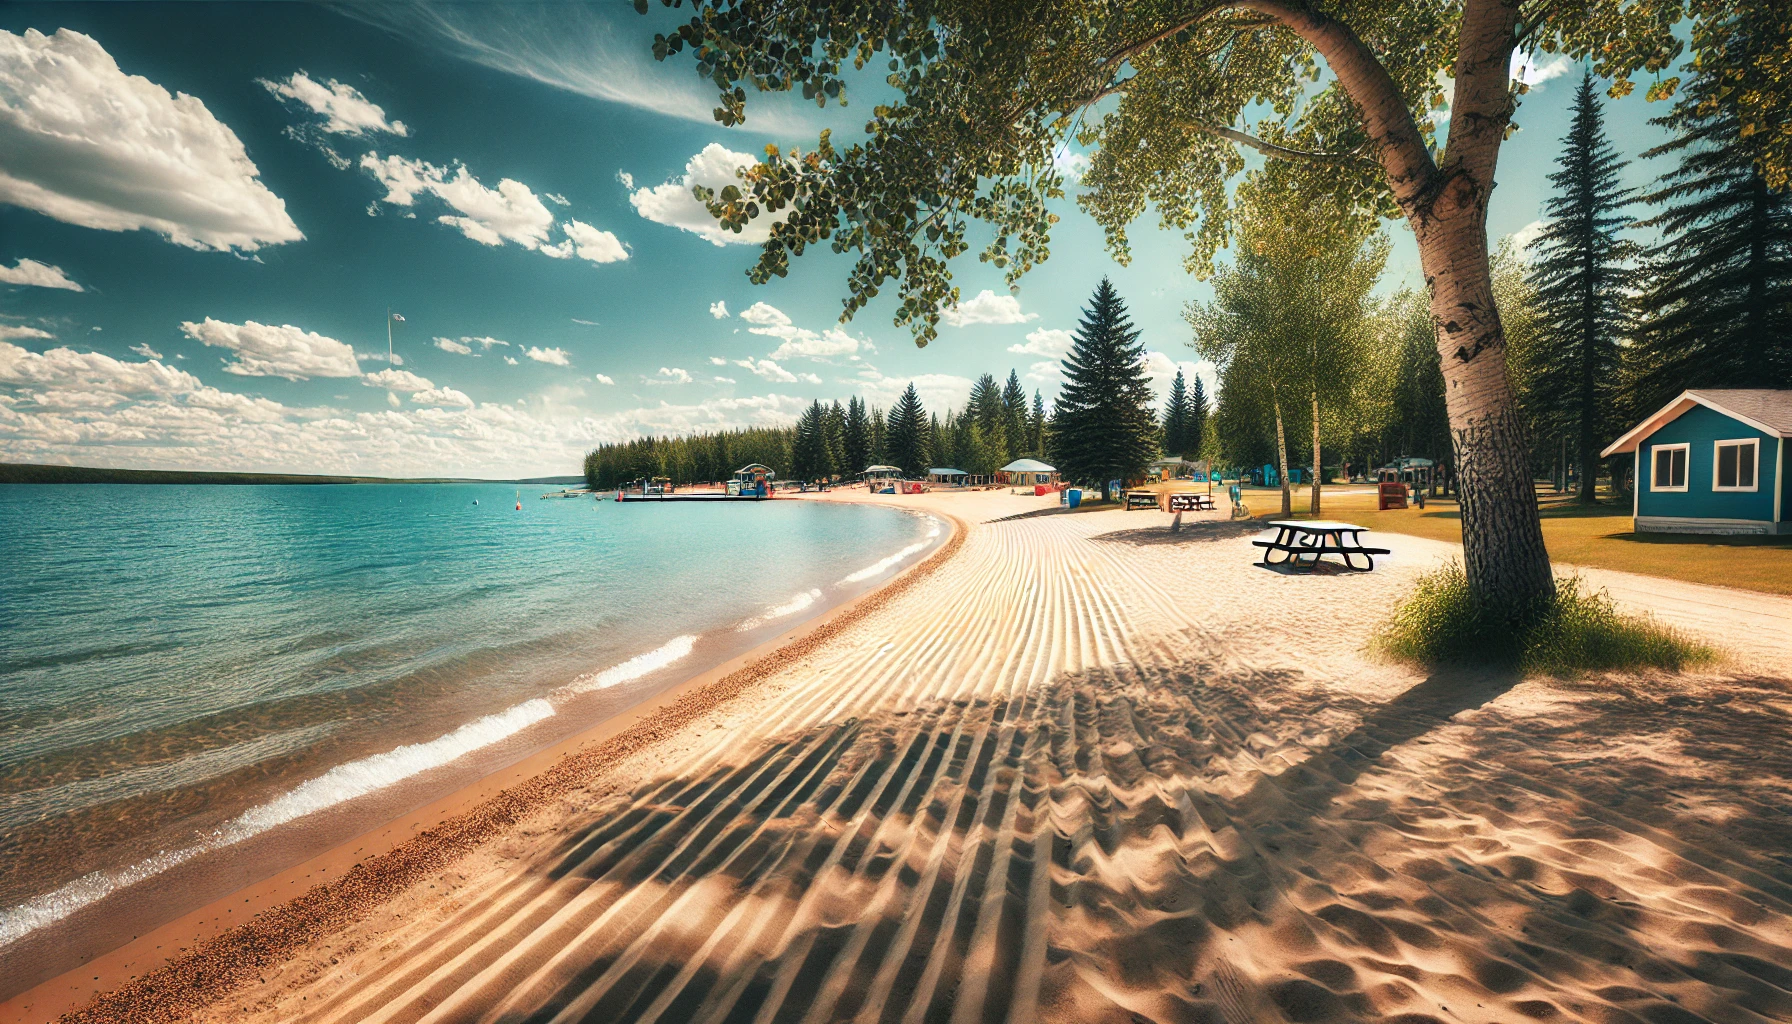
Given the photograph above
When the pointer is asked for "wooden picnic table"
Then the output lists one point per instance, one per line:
(1313, 539)
(1186, 502)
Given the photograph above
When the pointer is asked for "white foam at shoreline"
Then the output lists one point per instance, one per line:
(341, 783)
(776, 612)
(634, 668)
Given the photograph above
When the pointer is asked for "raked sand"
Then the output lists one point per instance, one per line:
(1088, 770)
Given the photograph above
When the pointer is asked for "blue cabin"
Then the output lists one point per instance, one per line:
(1713, 461)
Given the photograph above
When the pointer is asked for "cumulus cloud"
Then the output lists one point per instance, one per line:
(1523, 237)
(146, 352)
(510, 360)
(552, 356)
(1048, 342)
(768, 369)
(556, 198)
(442, 396)
(603, 378)
(724, 380)
(490, 216)
(719, 309)
(588, 243)
(627, 179)
(800, 342)
(673, 204)
(344, 109)
(670, 375)
(1162, 370)
(938, 391)
(1525, 68)
(450, 345)
(986, 308)
(1045, 370)
(89, 145)
(266, 351)
(33, 274)
(397, 380)
(21, 331)
(717, 361)
(64, 369)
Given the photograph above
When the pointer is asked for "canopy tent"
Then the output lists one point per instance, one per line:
(1028, 471)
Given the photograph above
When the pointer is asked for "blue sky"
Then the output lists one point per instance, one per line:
(206, 211)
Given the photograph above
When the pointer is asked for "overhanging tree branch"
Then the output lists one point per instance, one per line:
(1351, 158)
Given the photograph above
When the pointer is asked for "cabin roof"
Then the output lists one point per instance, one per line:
(937, 471)
(1027, 466)
(1766, 409)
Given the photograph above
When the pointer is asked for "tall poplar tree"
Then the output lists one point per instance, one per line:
(1581, 274)
(1103, 428)
(1716, 302)
(855, 438)
(1176, 419)
(906, 435)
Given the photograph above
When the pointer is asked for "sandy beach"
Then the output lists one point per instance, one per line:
(1080, 768)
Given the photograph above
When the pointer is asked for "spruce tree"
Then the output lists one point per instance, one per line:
(1036, 428)
(1102, 424)
(1014, 405)
(836, 434)
(992, 416)
(879, 453)
(906, 435)
(855, 438)
(1176, 419)
(809, 456)
(1198, 408)
(1580, 274)
(1716, 303)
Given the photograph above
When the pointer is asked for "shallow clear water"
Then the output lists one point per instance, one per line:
(181, 666)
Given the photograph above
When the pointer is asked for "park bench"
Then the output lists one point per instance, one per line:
(1301, 544)
(1140, 499)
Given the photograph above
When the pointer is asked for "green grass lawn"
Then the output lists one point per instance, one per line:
(1598, 535)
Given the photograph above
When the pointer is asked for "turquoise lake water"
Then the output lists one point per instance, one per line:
(185, 667)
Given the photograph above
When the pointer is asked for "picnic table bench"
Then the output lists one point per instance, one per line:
(1140, 499)
(1191, 503)
(1314, 539)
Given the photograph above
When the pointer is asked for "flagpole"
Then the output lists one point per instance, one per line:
(388, 336)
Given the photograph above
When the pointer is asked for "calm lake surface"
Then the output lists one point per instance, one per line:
(185, 667)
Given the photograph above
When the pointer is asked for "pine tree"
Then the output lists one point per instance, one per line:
(1102, 424)
(1036, 428)
(1176, 419)
(939, 440)
(836, 435)
(1716, 302)
(1014, 422)
(879, 446)
(809, 456)
(905, 435)
(1580, 276)
(855, 438)
(1198, 409)
(992, 416)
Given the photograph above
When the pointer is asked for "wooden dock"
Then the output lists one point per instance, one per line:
(692, 497)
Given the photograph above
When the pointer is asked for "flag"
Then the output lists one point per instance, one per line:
(398, 318)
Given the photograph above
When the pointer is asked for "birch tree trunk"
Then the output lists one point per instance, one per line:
(1282, 459)
(1316, 460)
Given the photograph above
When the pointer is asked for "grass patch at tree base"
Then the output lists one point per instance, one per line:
(1578, 630)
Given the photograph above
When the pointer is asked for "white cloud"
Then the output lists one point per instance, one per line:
(556, 198)
(670, 375)
(799, 342)
(717, 361)
(266, 351)
(89, 145)
(21, 331)
(591, 244)
(146, 352)
(986, 308)
(587, 323)
(490, 216)
(37, 275)
(673, 204)
(450, 345)
(719, 309)
(603, 378)
(768, 369)
(1525, 68)
(627, 179)
(552, 356)
(938, 391)
(344, 109)
(65, 370)
(1070, 164)
(397, 380)
(1162, 369)
(725, 380)
(510, 360)
(1045, 371)
(442, 396)
(1523, 237)
(1045, 341)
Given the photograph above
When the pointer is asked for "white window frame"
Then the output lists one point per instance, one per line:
(1755, 476)
(1655, 478)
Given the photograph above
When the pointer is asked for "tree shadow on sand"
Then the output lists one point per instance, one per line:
(1191, 533)
(1204, 844)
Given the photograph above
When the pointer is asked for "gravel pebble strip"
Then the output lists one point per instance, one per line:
(240, 955)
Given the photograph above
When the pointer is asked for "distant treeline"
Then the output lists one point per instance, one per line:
(21, 473)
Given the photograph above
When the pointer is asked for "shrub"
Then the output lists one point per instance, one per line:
(1579, 630)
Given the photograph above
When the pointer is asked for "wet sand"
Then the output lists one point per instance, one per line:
(1077, 768)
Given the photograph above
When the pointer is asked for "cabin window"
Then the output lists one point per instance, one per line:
(1670, 468)
(1737, 465)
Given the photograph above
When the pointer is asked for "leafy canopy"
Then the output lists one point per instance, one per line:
(988, 94)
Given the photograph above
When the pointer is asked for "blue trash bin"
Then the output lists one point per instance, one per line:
(1073, 497)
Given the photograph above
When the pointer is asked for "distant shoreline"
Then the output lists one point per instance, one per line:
(27, 473)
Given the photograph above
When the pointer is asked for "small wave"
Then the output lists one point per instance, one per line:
(878, 567)
(776, 612)
(634, 668)
(341, 783)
